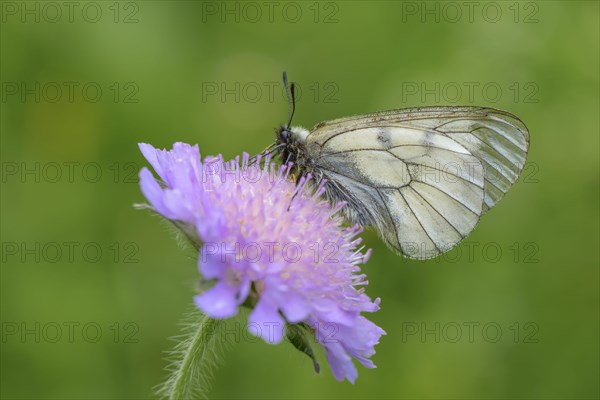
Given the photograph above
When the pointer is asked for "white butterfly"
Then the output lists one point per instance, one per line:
(421, 176)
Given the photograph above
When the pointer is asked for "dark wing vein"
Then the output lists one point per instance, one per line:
(399, 145)
(437, 212)
(389, 213)
(449, 195)
(419, 221)
(356, 180)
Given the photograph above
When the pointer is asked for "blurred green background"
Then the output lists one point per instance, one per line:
(512, 313)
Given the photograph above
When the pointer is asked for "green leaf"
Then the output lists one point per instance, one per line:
(297, 336)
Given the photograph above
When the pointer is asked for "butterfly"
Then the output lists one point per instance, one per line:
(422, 177)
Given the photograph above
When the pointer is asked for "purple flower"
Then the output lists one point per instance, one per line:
(269, 244)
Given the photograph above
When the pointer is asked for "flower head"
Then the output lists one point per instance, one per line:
(269, 244)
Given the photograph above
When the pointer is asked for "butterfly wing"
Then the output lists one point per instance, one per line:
(423, 176)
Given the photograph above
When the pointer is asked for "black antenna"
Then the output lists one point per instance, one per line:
(291, 96)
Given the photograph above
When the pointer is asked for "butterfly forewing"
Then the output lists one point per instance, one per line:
(422, 176)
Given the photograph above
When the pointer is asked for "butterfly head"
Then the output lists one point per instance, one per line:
(283, 134)
(291, 142)
(289, 135)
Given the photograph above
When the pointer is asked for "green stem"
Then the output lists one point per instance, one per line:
(194, 360)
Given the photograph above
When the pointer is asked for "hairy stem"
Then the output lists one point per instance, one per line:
(193, 359)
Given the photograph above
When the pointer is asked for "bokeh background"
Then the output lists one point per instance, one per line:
(512, 313)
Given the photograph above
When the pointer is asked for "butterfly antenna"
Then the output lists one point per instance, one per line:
(290, 90)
